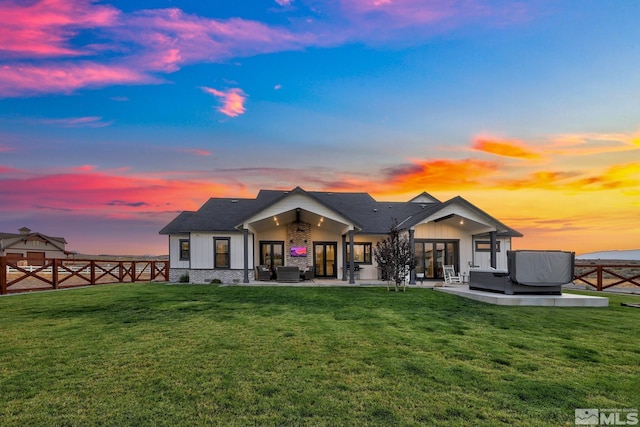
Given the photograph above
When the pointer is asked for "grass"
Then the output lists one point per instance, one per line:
(153, 354)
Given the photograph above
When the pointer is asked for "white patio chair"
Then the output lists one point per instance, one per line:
(450, 274)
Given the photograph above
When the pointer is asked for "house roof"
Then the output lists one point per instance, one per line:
(365, 213)
(10, 239)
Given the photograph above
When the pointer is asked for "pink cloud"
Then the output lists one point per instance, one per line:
(232, 100)
(75, 122)
(144, 43)
(44, 28)
(385, 20)
(172, 38)
(196, 151)
(26, 79)
(102, 193)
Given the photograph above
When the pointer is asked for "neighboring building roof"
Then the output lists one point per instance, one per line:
(10, 239)
(369, 215)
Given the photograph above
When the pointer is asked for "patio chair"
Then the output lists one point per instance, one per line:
(450, 275)
(309, 274)
(263, 273)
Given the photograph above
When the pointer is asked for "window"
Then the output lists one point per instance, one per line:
(221, 253)
(485, 246)
(362, 252)
(184, 250)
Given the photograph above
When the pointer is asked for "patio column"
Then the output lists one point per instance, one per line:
(412, 274)
(352, 280)
(344, 258)
(245, 235)
(493, 249)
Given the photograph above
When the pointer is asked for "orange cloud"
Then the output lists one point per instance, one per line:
(232, 100)
(443, 174)
(513, 149)
(586, 144)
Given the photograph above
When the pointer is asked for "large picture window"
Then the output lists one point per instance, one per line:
(184, 250)
(433, 255)
(361, 251)
(221, 253)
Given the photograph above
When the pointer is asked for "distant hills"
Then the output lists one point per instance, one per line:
(632, 255)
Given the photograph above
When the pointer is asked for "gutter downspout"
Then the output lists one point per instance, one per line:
(493, 249)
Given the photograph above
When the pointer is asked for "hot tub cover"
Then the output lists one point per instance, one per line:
(541, 268)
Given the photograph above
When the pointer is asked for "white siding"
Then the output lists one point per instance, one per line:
(368, 271)
(436, 230)
(202, 250)
(174, 251)
(483, 259)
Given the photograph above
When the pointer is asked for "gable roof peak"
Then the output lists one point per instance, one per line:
(424, 197)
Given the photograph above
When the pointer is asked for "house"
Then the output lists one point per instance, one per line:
(30, 246)
(227, 237)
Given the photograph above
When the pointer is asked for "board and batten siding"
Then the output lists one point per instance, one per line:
(483, 259)
(174, 251)
(202, 250)
(442, 231)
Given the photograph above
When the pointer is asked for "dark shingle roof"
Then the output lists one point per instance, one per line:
(367, 214)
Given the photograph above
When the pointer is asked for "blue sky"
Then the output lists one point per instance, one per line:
(116, 115)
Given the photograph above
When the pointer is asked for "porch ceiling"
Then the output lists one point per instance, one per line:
(468, 225)
(284, 218)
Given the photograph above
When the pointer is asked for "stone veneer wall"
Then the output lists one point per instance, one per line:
(205, 276)
(298, 234)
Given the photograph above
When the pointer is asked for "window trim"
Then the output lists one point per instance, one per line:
(364, 244)
(182, 251)
(486, 243)
(215, 253)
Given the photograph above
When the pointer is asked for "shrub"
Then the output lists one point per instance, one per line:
(184, 278)
(216, 281)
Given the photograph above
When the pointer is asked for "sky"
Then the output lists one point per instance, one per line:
(117, 115)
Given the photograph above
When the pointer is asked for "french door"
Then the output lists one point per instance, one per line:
(271, 254)
(433, 254)
(324, 258)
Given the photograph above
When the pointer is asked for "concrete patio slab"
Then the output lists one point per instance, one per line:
(564, 300)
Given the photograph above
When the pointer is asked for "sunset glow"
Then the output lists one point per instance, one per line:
(115, 116)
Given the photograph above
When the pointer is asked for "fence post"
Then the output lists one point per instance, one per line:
(54, 272)
(133, 272)
(93, 272)
(3, 275)
(599, 283)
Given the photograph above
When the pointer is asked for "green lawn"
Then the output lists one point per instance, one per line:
(154, 354)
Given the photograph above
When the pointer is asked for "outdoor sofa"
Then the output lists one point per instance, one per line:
(287, 274)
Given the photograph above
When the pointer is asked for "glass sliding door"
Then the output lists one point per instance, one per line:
(432, 255)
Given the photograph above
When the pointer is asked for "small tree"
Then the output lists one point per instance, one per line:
(395, 256)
